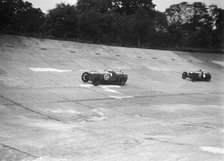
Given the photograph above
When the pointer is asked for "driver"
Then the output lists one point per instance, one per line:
(112, 74)
(201, 73)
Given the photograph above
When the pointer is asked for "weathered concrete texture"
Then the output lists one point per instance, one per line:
(48, 114)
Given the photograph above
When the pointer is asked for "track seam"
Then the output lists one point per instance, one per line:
(18, 150)
(68, 100)
(110, 98)
(26, 108)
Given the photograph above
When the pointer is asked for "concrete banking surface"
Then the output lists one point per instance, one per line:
(48, 114)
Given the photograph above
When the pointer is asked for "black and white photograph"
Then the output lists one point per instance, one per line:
(111, 80)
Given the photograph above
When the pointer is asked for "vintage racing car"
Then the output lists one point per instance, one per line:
(106, 77)
(197, 76)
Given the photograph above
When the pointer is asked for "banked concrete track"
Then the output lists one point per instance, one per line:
(48, 114)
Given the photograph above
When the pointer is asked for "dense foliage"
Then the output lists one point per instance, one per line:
(195, 25)
(17, 16)
(121, 22)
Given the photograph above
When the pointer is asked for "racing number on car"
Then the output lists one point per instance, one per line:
(106, 76)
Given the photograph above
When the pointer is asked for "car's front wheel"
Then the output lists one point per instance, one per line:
(85, 77)
(96, 81)
(209, 77)
(122, 81)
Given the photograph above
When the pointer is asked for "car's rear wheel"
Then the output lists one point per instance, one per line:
(85, 77)
(184, 75)
(122, 81)
(96, 81)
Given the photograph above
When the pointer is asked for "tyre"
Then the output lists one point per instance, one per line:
(96, 81)
(194, 77)
(85, 77)
(122, 81)
(209, 77)
(184, 75)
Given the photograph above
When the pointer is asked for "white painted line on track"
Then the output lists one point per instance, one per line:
(86, 85)
(116, 97)
(69, 111)
(111, 90)
(108, 89)
(121, 97)
(49, 70)
(212, 149)
(127, 97)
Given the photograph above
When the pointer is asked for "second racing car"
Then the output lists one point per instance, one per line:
(197, 75)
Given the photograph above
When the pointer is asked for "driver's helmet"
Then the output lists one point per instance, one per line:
(200, 70)
(109, 70)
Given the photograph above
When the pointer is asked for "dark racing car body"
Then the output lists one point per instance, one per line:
(197, 76)
(108, 77)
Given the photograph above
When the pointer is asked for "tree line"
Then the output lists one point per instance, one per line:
(120, 22)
